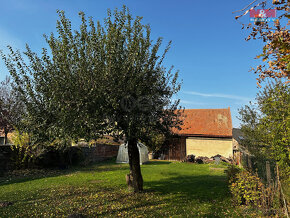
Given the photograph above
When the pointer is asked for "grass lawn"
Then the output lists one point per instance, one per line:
(171, 189)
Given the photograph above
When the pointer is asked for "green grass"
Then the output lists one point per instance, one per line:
(171, 189)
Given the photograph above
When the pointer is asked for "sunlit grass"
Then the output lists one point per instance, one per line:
(171, 189)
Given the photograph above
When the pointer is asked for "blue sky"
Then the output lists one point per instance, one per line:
(208, 48)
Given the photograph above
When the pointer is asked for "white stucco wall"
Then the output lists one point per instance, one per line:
(209, 146)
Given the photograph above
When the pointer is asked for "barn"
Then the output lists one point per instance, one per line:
(205, 132)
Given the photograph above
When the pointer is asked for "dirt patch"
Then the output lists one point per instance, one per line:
(95, 181)
(218, 169)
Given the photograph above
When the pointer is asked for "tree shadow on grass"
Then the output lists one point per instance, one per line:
(106, 165)
(183, 195)
(181, 191)
(199, 187)
(195, 190)
(19, 176)
(157, 162)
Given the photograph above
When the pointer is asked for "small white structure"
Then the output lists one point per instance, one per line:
(123, 153)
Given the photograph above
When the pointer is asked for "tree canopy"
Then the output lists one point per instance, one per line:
(266, 124)
(101, 79)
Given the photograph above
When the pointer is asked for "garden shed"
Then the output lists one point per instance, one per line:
(204, 132)
(123, 153)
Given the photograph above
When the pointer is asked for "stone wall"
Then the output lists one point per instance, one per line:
(100, 152)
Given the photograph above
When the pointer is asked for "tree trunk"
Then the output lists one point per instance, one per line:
(134, 162)
(5, 137)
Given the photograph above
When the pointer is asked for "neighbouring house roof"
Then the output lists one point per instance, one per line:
(206, 123)
(238, 134)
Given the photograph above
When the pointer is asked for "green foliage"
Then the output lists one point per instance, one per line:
(21, 148)
(98, 80)
(232, 172)
(266, 125)
(247, 189)
(80, 87)
(258, 165)
(58, 153)
(58, 157)
(155, 142)
(20, 140)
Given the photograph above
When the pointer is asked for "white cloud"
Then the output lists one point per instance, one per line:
(217, 95)
(8, 39)
(192, 102)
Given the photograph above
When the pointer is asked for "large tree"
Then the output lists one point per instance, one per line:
(100, 79)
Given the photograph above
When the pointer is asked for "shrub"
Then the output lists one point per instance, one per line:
(247, 189)
(58, 153)
(60, 158)
(232, 171)
(21, 149)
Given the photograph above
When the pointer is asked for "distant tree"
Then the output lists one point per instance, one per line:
(98, 80)
(275, 35)
(156, 142)
(266, 125)
(10, 108)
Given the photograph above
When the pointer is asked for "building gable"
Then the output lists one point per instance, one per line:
(206, 123)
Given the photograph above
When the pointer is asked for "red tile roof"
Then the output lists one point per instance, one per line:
(207, 123)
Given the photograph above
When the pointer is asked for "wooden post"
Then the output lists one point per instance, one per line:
(170, 146)
(268, 172)
(281, 191)
(249, 162)
(180, 159)
(5, 137)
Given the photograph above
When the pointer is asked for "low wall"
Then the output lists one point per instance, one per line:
(96, 153)
(100, 152)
